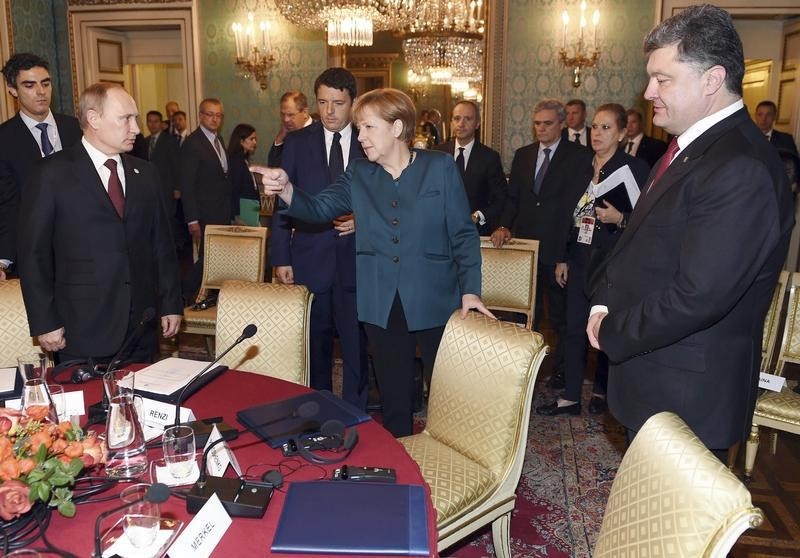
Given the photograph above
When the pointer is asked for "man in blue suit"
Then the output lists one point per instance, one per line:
(322, 257)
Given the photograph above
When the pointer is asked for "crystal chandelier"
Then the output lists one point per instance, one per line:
(445, 41)
(253, 49)
(349, 22)
(583, 58)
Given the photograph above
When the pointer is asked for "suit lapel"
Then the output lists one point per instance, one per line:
(88, 176)
(209, 148)
(133, 191)
(27, 142)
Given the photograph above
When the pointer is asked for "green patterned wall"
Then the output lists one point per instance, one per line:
(532, 69)
(300, 57)
(40, 27)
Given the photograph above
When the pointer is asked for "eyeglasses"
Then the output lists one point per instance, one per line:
(213, 114)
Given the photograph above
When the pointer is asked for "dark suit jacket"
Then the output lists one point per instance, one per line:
(166, 160)
(650, 150)
(413, 237)
(316, 252)
(274, 155)
(689, 283)
(81, 266)
(782, 140)
(484, 182)
(565, 135)
(19, 154)
(533, 216)
(205, 187)
(242, 182)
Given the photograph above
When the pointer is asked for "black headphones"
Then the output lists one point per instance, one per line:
(84, 371)
(332, 437)
(273, 478)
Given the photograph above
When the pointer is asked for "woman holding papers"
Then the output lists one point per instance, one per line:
(417, 250)
(600, 198)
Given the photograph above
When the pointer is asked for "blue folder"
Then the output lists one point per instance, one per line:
(340, 517)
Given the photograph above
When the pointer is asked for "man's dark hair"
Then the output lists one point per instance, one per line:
(22, 61)
(573, 102)
(177, 112)
(769, 104)
(337, 78)
(705, 37)
(635, 111)
(151, 112)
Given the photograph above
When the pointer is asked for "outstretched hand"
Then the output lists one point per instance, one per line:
(473, 302)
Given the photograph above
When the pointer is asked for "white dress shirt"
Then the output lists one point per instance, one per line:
(52, 130)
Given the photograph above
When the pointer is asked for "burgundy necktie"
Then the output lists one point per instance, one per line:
(665, 161)
(115, 188)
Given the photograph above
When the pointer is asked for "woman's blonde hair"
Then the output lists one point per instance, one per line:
(390, 105)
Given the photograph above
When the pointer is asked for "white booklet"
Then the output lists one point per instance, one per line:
(167, 376)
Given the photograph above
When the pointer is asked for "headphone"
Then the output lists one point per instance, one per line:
(332, 436)
(273, 478)
(80, 374)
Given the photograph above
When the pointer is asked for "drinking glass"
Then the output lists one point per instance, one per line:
(59, 400)
(36, 401)
(179, 450)
(33, 366)
(142, 518)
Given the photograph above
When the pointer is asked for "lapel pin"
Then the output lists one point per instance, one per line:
(136, 171)
(686, 158)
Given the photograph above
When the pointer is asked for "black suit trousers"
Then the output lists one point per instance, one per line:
(552, 294)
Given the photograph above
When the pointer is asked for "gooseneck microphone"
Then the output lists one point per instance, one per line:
(241, 498)
(147, 317)
(156, 493)
(201, 428)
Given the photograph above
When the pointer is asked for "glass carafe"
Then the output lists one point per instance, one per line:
(125, 444)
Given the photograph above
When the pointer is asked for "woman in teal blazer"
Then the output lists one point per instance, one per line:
(417, 250)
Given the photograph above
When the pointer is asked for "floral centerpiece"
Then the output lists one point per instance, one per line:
(39, 461)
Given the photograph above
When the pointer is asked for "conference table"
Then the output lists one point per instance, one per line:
(224, 396)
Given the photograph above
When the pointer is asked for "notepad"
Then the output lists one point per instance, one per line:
(340, 517)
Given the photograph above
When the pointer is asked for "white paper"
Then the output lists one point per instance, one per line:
(621, 175)
(164, 476)
(72, 399)
(167, 376)
(123, 547)
(771, 382)
(8, 376)
(203, 533)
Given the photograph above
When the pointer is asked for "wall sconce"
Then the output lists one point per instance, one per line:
(253, 50)
(582, 58)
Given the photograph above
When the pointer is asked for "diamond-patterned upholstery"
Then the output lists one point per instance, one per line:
(779, 410)
(282, 314)
(472, 448)
(673, 498)
(508, 276)
(230, 252)
(772, 322)
(15, 337)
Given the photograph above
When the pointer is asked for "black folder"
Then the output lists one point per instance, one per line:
(340, 517)
(275, 424)
(618, 197)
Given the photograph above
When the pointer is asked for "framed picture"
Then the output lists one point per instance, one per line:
(786, 96)
(109, 56)
(791, 51)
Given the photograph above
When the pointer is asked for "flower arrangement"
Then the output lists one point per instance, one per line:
(39, 461)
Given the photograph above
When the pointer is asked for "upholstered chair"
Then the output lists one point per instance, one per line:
(282, 314)
(472, 448)
(779, 410)
(230, 252)
(673, 498)
(508, 276)
(15, 337)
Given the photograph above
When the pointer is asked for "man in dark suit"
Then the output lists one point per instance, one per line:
(97, 250)
(681, 299)
(638, 144)
(205, 184)
(766, 113)
(34, 132)
(576, 129)
(480, 167)
(535, 209)
(294, 116)
(162, 151)
(323, 257)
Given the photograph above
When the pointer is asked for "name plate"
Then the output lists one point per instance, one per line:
(202, 535)
(771, 382)
(158, 414)
(220, 456)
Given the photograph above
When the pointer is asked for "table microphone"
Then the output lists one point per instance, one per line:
(201, 428)
(156, 493)
(241, 498)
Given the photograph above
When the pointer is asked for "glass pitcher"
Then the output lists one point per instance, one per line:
(125, 444)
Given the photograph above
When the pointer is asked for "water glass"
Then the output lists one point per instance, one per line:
(36, 402)
(142, 518)
(33, 366)
(59, 400)
(179, 450)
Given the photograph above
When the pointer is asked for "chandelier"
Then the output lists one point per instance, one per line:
(582, 58)
(253, 49)
(349, 22)
(445, 41)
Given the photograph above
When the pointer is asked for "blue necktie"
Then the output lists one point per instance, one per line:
(47, 147)
(537, 182)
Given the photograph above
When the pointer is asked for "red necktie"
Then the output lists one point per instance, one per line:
(115, 188)
(665, 161)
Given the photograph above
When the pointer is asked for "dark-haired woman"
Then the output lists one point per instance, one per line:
(241, 146)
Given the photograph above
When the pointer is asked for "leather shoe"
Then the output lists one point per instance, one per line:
(597, 405)
(556, 381)
(552, 409)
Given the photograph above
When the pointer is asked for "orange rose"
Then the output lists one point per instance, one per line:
(14, 499)
(74, 449)
(64, 427)
(9, 469)
(37, 412)
(6, 448)
(26, 465)
(59, 445)
(9, 418)
(39, 438)
(93, 455)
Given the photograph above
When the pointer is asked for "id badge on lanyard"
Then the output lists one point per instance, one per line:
(586, 230)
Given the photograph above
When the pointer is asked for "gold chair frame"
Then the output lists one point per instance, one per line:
(15, 336)
(508, 276)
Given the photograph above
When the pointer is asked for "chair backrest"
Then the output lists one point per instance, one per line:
(508, 276)
(673, 497)
(481, 391)
(772, 322)
(15, 337)
(790, 344)
(233, 252)
(282, 314)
